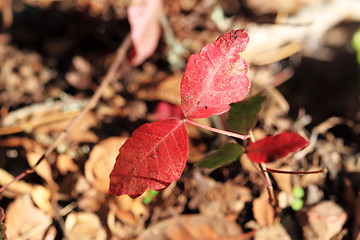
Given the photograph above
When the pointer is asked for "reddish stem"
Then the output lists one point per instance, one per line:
(223, 132)
(17, 178)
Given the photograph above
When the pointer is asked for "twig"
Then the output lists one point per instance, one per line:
(323, 170)
(110, 76)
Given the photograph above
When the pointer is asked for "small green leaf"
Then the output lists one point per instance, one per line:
(298, 192)
(150, 196)
(297, 204)
(356, 44)
(242, 115)
(228, 153)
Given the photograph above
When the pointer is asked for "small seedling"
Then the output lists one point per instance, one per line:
(215, 81)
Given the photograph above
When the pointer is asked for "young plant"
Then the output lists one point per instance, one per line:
(156, 153)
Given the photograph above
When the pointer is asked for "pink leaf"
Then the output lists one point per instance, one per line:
(143, 17)
(153, 157)
(270, 148)
(216, 76)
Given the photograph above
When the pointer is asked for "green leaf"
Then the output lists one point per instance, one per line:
(356, 44)
(298, 192)
(2, 225)
(150, 196)
(297, 204)
(242, 115)
(228, 153)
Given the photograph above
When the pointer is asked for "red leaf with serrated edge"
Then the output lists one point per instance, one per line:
(270, 148)
(153, 157)
(216, 76)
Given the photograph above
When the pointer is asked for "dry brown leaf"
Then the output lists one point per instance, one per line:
(42, 198)
(18, 187)
(101, 161)
(168, 90)
(66, 164)
(84, 225)
(283, 180)
(327, 219)
(80, 131)
(191, 227)
(274, 232)
(308, 179)
(34, 151)
(135, 206)
(264, 213)
(43, 169)
(25, 220)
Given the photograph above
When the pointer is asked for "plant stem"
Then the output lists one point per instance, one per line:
(266, 178)
(223, 132)
(269, 187)
(295, 172)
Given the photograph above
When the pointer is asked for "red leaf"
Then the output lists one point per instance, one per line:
(216, 76)
(270, 148)
(153, 157)
(143, 17)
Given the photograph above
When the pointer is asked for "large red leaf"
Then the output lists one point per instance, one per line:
(216, 76)
(270, 148)
(153, 157)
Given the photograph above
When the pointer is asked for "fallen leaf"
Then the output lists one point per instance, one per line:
(273, 232)
(143, 16)
(191, 227)
(84, 225)
(167, 90)
(18, 187)
(65, 164)
(283, 181)
(81, 77)
(34, 151)
(271, 148)
(24, 220)
(327, 219)
(153, 157)
(264, 213)
(101, 161)
(216, 77)
(42, 198)
(43, 169)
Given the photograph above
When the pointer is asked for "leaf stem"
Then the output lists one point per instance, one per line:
(223, 132)
(266, 178)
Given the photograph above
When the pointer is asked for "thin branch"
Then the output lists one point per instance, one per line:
(110, 76)
(295, 172)
(223, 132)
